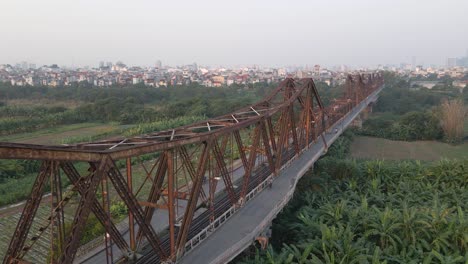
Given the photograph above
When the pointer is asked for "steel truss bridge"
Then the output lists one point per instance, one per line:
(177, 186)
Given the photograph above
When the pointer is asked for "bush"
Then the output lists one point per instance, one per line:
(385, 212)
(410, 126)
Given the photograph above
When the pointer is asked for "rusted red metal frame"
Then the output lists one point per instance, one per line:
(223, 170)
(147, 144)
(106, 206)
(96, 207)
(130, 200)
(56, 218)
(187, 163)
(155, 192)
(131, 221)
(56, 215)
(252, 160)
(171, 203)
(143, 145)
(259, 115)
(192, 203)
(82, 212)
(266, 144)
(29, 210)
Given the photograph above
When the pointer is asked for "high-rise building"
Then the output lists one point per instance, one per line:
(158, 64)
(451, 62)
(317, 70)
(24, 65)
(101, 64)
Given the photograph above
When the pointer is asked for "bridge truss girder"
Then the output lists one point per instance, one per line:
(181, 178)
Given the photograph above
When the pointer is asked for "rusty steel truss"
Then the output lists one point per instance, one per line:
(190, 175)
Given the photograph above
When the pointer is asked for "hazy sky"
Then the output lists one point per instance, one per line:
(138, 32)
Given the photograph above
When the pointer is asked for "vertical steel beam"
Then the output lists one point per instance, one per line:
(155, 193)
(240, 148)
(192, 203)
(252, 161)
(282, 138)
(82, 212)
(96, 207)
(131, 222)
(57, 215)
(219, 157)
(27, 217)
(292, 123)
(266, 145)
(272, 133)
(187, 162)
(171, 203)
(106, 211)
(130, 200)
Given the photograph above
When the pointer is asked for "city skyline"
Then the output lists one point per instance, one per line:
(265, 33)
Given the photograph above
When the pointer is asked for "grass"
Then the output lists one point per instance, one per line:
(56, 135)
(379, 148)
(41, 102)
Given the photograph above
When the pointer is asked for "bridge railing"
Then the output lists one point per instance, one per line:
(179, 179)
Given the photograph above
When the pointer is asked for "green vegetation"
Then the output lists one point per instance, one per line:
(422, 125)
(364, 147)
(404, 113)
(348, 211)
(55, 135)
(83, 113)
(94, 228)
(97, 113)
(129, 105)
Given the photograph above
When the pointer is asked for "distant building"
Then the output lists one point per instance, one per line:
(218, 81)
(24, 65)
(158, 64)
(451, 62)
(317, 70)
(299, 74)
(30, 80)
(136, 80)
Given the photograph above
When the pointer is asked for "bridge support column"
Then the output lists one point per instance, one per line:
(357, 122)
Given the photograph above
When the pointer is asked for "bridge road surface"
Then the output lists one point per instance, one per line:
(237, 233)
(159, 223)
(159, 220)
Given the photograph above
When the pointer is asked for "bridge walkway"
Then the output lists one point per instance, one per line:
(240, 230)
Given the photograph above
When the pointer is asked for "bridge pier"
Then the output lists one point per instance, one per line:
(363, 116)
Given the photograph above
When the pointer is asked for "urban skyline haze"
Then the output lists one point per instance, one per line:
(269, 33)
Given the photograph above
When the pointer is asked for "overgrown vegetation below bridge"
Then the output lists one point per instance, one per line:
(415, 113)
(370, 211)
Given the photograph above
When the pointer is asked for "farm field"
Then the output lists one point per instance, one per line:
(379, 148)
(60, 134)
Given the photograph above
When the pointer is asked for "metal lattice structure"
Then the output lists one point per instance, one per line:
(191, 175)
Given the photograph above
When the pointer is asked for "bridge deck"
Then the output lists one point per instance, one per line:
(241, 229)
